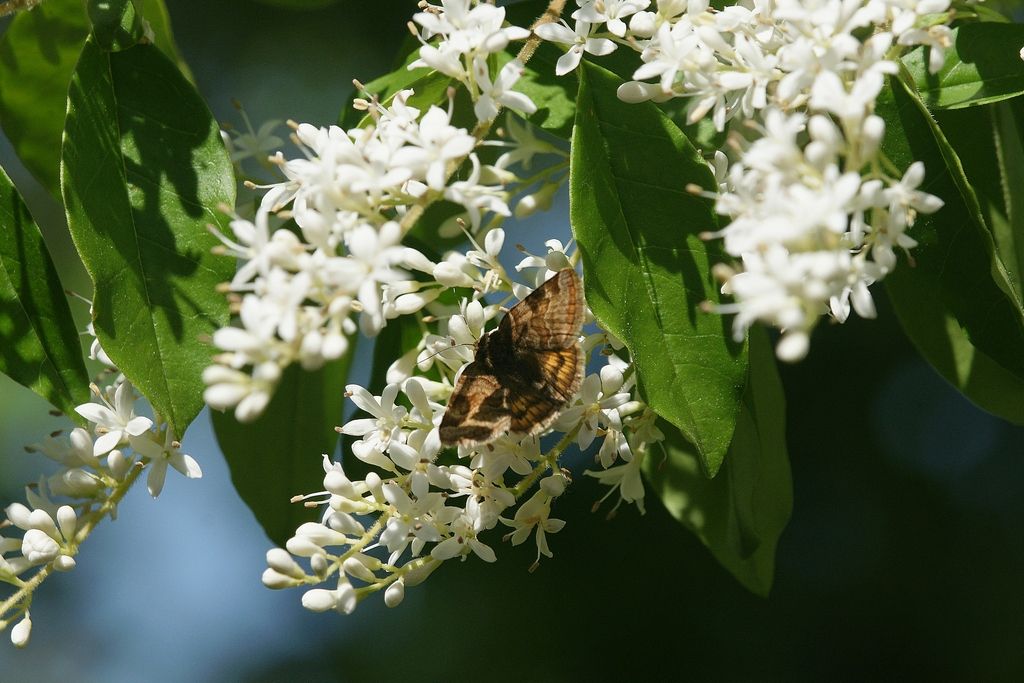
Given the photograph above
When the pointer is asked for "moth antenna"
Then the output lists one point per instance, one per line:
(452, 346)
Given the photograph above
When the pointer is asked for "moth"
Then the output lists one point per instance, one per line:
(524, 371)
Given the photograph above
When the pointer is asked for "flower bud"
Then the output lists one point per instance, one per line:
(118, 463)
(275, 580)
(633, 92)
(302, 547)
(41, 520)
(538, 201)
(38, 547)
(21, 632)
(64, 563)
(67, 520)
(319, 565)
(76, 483)
(353, 567)
(345, 523)
(410, 303)
(279, 560)
(554, 485)
(394, 594)
(450, 275)
(319, 600)
(347, 599)
(321, 535)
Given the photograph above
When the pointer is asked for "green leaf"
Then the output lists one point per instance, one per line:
(941, 340)
(155, 14)
(279, 455)
(40, 347)
(956, 271)
(38, 52)
(115, 24)
(143, 170)
(983, 66)
(740, 514)
(988, 141)
(647, 270)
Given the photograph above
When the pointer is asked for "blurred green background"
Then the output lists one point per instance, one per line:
(904, 559)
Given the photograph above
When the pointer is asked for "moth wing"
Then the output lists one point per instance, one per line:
(477, 410)
(550, 317)
(562, 371)
(531, 409)
(536, 397)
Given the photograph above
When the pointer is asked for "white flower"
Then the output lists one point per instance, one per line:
(626, 479)
(788, 290)
(114, 421)
(437, 143)
(413, 521)
(579, 41)
(937, 38)
(71, 450)
(249, 395)
(378, 431)
(610, 12)
(467, 28)
(830, 94)
(505, 453)
(487, 259)
(462, 542)
(675, 48)
(477, 197)
(861, 275)
(377, 253)
(500, 92)
(162, 455)
(600, 398)
(545, 266)
(534, 515)
(258, 144)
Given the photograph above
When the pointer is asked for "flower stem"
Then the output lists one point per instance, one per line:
(550, 462)
(23, 596)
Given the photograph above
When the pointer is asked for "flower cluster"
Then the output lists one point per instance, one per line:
(327, 246)
(421, 505)
(810, 229)
(812, 234)
(469, 33)
(96, 469)
(353, 196)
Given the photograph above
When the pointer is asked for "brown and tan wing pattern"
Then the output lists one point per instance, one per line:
(477, 410)
(536, 398)
(561, 371)
(525, 371)
(551, 316)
